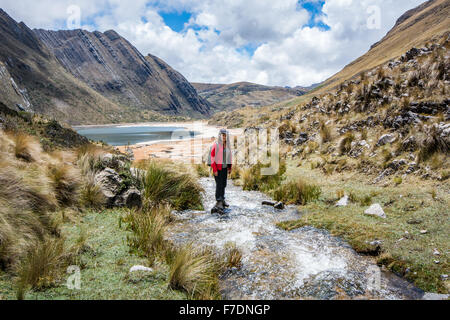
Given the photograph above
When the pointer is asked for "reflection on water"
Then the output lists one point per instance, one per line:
(123, 135)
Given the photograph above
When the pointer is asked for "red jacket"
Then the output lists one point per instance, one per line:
(217, 165)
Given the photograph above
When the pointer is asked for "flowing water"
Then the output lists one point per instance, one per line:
(305, 263)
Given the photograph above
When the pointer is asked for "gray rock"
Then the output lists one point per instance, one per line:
(410, 144)
(343, 202)
(434, 296)
(115, 192)
(376, 210)
(279, 205)
(110, 184)
(397, 164)
(140, 268)
(131, 198)
(385, 139)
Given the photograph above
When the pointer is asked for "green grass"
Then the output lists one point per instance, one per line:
(297, 192)
(105, 260)
(408, 208)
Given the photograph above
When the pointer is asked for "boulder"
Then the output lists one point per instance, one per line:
(385, 139)
(110, 184)
(116, 193)
(343, 202)
(375, 210)
(131, 198)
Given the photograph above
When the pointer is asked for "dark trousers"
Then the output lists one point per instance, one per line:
(221, 184)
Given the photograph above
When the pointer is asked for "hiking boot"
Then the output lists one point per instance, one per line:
(225, 204)
(220, 205)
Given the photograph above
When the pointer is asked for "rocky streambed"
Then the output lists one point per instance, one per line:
(305, 263)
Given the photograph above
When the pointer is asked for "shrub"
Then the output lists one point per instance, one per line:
(432, 143)
(42, 266)
(66, 183)
(195, 271)
(89, 159)
(162, 185)
(365, 200)
(299, 193)
(346, 143)
(340, 193)
(235, 173)
(91, 195)
(253, 179)
(26, 147)
(233, 256)
(148, 229)
(398, 180)
(202, 170)
(445, 174)
(325, 133)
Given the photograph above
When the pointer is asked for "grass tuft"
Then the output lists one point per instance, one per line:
(162, 185)
(298, 192)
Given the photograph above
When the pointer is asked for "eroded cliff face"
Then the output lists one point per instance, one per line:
(109, 64)
(11, 94)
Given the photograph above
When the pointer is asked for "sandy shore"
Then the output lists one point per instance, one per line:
(188, 150)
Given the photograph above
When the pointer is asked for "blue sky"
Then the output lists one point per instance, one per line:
(272, 42)
(178, 20)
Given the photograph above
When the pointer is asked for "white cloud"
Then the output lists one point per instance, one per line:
(287, 52)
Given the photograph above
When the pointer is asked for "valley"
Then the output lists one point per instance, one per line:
(104, 167)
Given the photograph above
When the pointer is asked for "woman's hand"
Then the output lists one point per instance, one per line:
(216, 174)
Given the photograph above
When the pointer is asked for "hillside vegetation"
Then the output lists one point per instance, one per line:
(87, 208)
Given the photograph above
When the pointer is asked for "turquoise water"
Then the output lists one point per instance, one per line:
(121, 136)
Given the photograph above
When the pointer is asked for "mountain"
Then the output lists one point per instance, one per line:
(62, 79)
(241, 94)
(425, 24)
(109, 64)
(413, 29)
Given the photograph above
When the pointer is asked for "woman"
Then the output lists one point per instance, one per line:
(221, 163)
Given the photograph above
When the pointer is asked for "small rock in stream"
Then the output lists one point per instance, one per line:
(279, 205)
(268, 203)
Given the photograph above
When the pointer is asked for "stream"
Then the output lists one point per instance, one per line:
(305, 263)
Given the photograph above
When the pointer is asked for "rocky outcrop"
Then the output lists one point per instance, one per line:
(115, 191)
(118, 184)
(109, 64)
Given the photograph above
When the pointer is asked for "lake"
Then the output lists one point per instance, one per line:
(124, 135)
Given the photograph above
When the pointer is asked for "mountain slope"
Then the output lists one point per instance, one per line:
(413, 29)
(241, 94)
(108, 81)
(51, 90)
(113, 67)
(426, 23)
